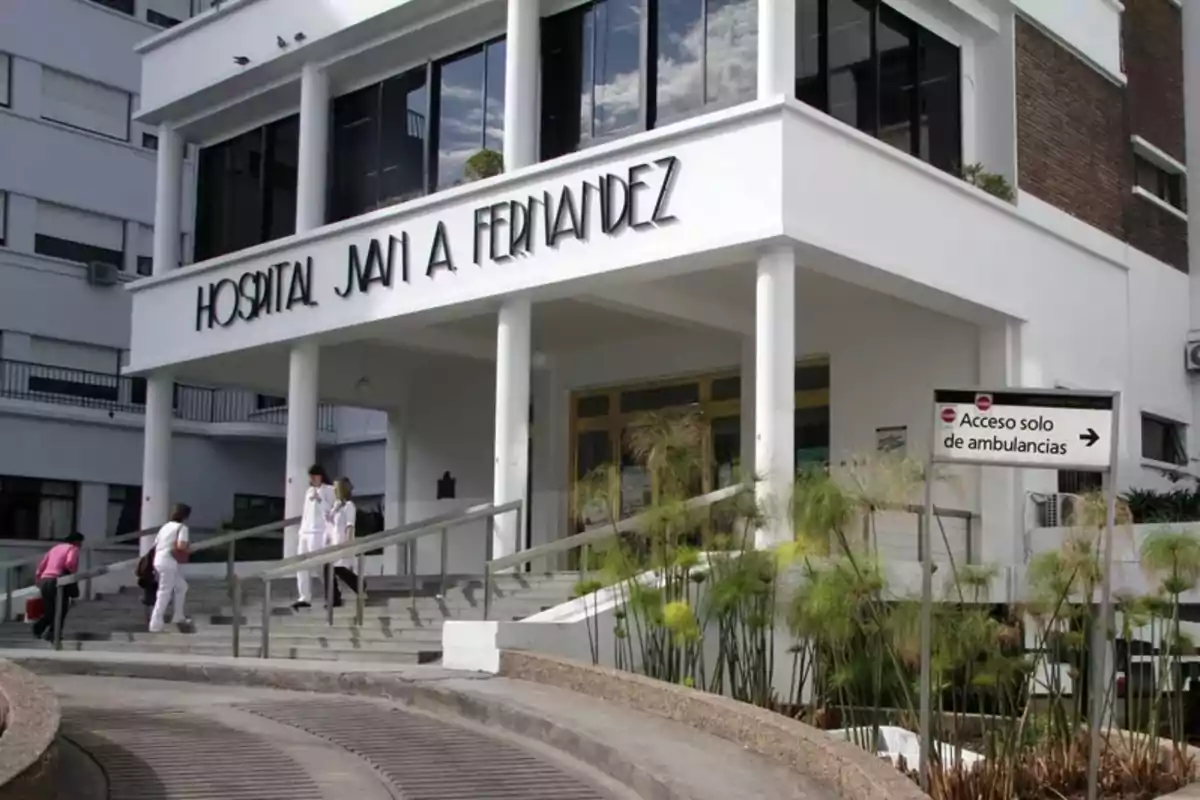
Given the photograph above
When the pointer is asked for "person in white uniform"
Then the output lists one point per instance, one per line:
(341, 531)
(170, 548)
(314, 520)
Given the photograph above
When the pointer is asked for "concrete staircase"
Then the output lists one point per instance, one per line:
(391, 632)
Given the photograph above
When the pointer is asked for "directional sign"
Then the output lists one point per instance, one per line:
(1067, 430)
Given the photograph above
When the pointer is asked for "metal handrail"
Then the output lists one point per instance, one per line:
(407, 534)
(595, 534)
(229, 539)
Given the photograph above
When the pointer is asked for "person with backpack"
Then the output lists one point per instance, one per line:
(170, 549)
(60, 560)
(341, 531)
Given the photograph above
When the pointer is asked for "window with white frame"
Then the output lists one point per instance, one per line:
(83, 104)
(3, 218)
(76, 235)
(1158, 176)
(1164, 440)
(5, 79)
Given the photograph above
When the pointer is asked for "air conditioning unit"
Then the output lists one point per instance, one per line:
(103, 274)
(1191, 356)
(1055, 510)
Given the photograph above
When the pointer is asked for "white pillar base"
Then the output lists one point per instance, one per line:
(156, 455)
(303, 371)
(513, 354)
(775, 392)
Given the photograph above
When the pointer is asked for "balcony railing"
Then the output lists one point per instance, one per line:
(42, 383)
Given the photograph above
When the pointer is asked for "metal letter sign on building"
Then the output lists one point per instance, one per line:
(1024, 429)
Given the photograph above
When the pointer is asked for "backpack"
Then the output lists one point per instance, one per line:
(144, 571)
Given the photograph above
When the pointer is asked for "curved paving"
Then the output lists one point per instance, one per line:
(428, 759)
(154, 740)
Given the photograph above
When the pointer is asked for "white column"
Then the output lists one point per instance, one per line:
(775, 391)
(312, 160)
(303, 369)
(776, 48)
(160, 386)
(167, 198)
(395, 477)
(512, 418)
(522, 53)
(156, 454)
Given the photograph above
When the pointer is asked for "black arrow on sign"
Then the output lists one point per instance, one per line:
(1091, 437)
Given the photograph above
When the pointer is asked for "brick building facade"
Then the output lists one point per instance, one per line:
(1076, 128)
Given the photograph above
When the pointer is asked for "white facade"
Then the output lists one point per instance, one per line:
(767, 232)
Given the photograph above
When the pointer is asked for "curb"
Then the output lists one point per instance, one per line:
(430, 695)
(847, 770)
(28, 752)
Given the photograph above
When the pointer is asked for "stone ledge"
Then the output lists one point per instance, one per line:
(847, 770)
(28, 754)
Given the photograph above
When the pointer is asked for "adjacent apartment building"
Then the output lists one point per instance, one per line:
(77, 196)
(499, 230)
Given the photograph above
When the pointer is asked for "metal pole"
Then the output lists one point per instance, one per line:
(236, 589)
(1100, 678)
(444, 558)
(87, 568)
(359, 601)
(488, 549)
(8, 582)
(926, 526)
(585, 560)
(229, 559)
(487, 591)
(59, 600)
(266, 619)
(327, 576)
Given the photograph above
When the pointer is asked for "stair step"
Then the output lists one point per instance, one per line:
(249, 649)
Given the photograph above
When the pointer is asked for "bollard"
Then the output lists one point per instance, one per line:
(359, 600)
(266, 619)
(237, 617)
(58, 615)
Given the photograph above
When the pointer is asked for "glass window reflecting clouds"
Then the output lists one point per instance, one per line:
(607, 71)
(470, 113)
(400, 138)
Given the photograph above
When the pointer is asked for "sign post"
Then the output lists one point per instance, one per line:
(1038, 429)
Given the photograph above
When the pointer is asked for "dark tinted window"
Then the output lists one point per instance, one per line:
(76, 251)
(660, 397)
(246, 193)
(871, 67)
(594, 406)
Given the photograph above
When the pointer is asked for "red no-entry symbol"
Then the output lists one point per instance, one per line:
(983, 401)
(948, 414)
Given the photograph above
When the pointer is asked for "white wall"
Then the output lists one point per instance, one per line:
(205, 472)
(76, 37)
(1091, 28)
